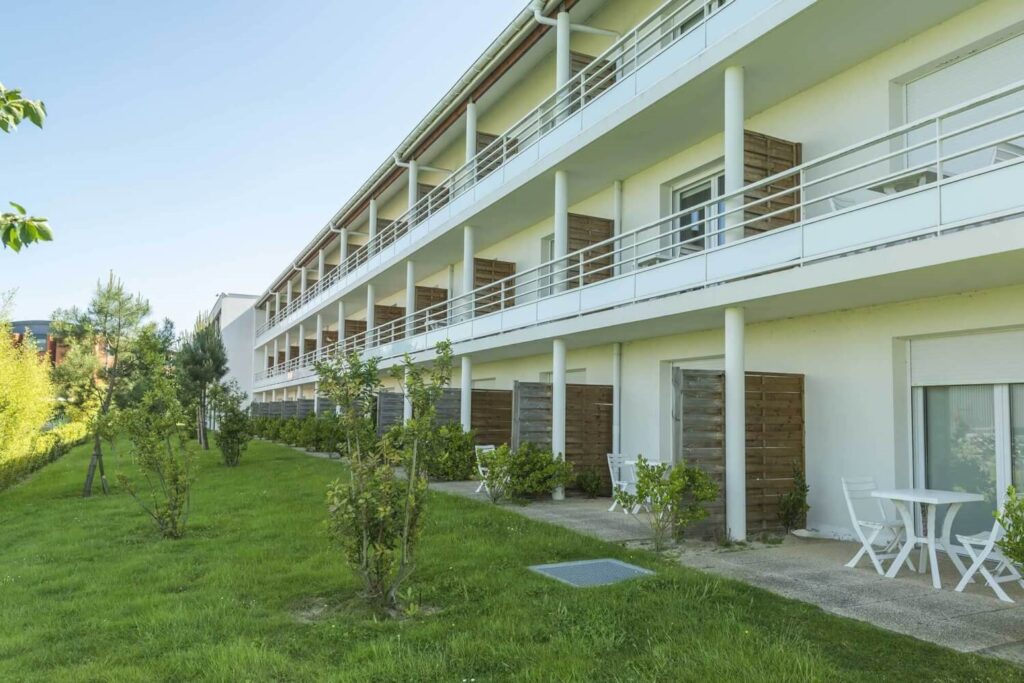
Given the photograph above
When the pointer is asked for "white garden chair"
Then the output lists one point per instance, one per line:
(982, 548)
(868, 531)
(481, 469)
(623, 476)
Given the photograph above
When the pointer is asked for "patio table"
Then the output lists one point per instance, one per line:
(929, 500)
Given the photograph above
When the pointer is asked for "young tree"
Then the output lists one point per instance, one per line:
(234, 427)
(106, 330)
(17, 228)
(352, 384)
(201, 361)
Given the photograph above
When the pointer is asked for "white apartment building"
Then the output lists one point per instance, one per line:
(629, 193)
(235, 316)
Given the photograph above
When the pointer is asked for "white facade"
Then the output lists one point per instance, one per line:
(236, 317)
(892, 279)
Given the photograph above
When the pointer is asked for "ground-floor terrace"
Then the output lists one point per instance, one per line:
(926, 392)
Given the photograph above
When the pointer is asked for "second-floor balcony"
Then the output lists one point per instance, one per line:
(942, 174)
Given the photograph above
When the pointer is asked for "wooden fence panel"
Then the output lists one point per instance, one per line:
(389, 410)
(774, 440)
(303, 407)
(491, 416)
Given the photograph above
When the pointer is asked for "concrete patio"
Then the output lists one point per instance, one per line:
(812, 570)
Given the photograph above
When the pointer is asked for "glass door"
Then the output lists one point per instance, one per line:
(691, 233)
(1016, 437)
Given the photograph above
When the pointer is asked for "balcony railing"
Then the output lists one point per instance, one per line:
(960, 167)
(672, 26)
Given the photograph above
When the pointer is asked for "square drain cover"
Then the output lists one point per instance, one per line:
(591, 572)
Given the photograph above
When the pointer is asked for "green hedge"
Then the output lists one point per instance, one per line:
(48, 446)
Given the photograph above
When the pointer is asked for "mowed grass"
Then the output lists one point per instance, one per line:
(89, 592)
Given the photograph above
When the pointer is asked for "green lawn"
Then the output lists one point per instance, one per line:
(88, 592)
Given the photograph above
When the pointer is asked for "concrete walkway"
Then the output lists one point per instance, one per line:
(813, 571)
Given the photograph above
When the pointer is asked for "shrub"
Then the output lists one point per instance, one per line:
(49, 446)
(351, 383)
(589, 482)
(288, 431)
(673, 496)
(527, 472)
(449, 453)
(233, 425)
(1011, 518)
(793, 505)
(26, 397)
(154, 427)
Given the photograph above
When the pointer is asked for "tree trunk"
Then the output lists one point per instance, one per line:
(202, 420)
(95, 461)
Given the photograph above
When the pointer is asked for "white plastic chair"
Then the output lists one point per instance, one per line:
(982, 548)
(481, 469)
(623, 476)
(860, 488)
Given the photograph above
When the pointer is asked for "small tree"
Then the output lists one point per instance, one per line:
(673, 496)
(352, 384)
(1011, 518)
(234, 427)
(793, 507)
(202, 361)
(26, 394)
(154, 430)
(107, 329)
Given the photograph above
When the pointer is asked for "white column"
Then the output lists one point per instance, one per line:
(561, 227)
(287, 346)
(316, 398)
(341, 320)
(734, 115)
(277, 302)
(277, 350)
(471, 149)
(563, 57)
(735, 426)
(321, 265)
(302, 339)
(406, 404)
(466, 394)
(558, 405)
(266, 312)
(618, 216)
(372, 229)
(303, 281)
(266, 357)
(288, 292)
(342, 246)
(466, 307)
(410, 298)
(617, 397)
(414, 179)
(319, 331)
(370, 299)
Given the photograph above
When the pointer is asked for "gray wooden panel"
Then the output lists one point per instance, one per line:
(390, 410)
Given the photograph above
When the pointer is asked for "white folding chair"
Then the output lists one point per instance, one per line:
(623, 476)
(982, 548)
(860, 488)
(481, 469)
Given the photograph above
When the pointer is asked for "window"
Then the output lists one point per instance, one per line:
(547, 253)
(970, 438)
(691, 230)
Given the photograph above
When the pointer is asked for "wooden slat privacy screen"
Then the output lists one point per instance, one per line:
(490, 299)
(588, 423)
(354, 328)
(425, 297)
(308, 345)
(389, 410)
(583, 232)
(775, 440)
(764, 156)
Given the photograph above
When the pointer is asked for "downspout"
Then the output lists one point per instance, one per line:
(538, 15)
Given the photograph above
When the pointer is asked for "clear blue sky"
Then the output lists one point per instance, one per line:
(193, 147)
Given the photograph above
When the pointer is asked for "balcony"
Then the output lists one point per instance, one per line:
(931, 177)
(671, 36)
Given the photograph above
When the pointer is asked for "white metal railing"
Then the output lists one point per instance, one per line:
(668, 24)
(838, 204)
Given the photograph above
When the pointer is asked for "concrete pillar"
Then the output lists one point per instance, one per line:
(617, 397)
(561, 228)
(342, 246)
(735, 426)
(370, 301)
(288, 292)
(406, 404)
(471, 149)
(410, 298)
(734, 116)
(465, 309)
(319, 332)
(316, 398)
(563, 56)
(277, 350)
(414, 179)
(266, 357)
(302, 339)
(618, 216)
(277, 302)
(558, 405)
(266, 312)
(303, 280)
(372, 229)
(321, 265)
(466, 394)
(341, 322)
(287, 346)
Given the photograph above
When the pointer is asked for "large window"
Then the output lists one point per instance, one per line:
(970, 438)
(696, 228)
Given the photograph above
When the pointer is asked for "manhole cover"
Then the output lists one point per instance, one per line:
(591, 572)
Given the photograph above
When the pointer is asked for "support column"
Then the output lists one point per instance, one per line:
(321, 265)
(734, 116)
(410, 298)
(406, 403)
(302, 339)
(466, 394)
(288, 292)
(287, 346)
(370, 299)
(466, 308)
(414, 179)
(471, 149)
(266, 312)
(561, 229)
(372, 229)
(266, 357)
(342, 247)
(735, 426)
(341, 321)
(563, 56)
(558, 406)
(617, 397)
(277, 302)
(618, 216)
(319, 333)
(277, 350)
(303, 281)
(316, 399)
